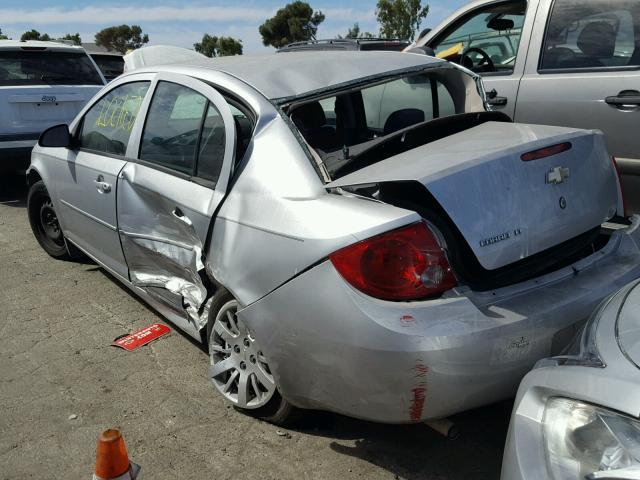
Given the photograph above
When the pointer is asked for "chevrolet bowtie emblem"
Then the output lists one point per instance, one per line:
(557, 175)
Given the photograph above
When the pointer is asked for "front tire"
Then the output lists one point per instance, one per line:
(239, 370)
(44, 221)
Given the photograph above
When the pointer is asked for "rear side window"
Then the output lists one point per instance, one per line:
(184, 132)
(594, 34)
(400, 103)
(43, 67)
(107, 126)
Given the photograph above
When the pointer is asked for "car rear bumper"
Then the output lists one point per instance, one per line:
(333, 348)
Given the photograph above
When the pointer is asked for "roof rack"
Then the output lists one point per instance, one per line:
(344, 40)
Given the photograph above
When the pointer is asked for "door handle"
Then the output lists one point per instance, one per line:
(101, 185)
(497, 101)
(179, 214)
(494, 99)
(624, 98)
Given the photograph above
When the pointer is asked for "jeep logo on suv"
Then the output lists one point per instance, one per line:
(48, 98)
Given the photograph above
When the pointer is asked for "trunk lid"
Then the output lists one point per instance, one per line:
(508, 209)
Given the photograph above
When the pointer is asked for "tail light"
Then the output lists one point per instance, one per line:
(624, 201)
(404, 264)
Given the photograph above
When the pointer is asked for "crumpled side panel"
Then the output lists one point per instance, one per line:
(153, 263)
(162, 237)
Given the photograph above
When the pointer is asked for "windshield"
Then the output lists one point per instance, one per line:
(339, 126)
(43, 67)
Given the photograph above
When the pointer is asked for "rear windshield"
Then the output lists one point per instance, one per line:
(28, 67)
(340, 126)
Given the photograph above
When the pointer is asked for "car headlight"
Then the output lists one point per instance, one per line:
(584, 441)
(583, 350)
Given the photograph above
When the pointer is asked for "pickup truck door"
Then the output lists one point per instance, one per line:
(493, 30)
(86, 183)
(177, 176)
(583, 70)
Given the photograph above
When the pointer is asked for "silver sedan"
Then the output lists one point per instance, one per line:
(348, 231)
(576, 416)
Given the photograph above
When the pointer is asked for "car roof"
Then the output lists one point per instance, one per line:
(37, 45)
(282, 76)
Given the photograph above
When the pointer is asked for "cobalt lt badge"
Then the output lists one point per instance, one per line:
(563, 203)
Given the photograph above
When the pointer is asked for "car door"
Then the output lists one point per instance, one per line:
(168, 195)
(86, 185)
(585, 72)
(487, 40)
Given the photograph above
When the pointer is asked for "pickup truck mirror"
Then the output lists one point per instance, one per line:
(56, 136)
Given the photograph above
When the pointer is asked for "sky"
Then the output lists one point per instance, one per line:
(184, 22)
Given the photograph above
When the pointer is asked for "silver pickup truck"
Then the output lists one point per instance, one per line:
(556, 62)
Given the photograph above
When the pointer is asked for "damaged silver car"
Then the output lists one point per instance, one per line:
(347, 231)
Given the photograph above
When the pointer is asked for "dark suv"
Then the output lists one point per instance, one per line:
(348, 44)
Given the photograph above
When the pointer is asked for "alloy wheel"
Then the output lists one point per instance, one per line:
(239, 370)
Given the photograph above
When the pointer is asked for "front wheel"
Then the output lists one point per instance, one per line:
(44, 221)
(239, 369)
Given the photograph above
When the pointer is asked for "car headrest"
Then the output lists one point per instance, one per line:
(309, 115)
(597, 39)
(401, 119)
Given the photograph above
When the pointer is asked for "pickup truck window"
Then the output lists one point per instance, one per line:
(594, 34)
(485, 40)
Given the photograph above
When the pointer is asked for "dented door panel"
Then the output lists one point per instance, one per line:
(164, 221)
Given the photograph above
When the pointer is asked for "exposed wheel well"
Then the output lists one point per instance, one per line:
(32, 177)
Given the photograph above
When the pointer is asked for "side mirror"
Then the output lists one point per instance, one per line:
(423, 33)
(56, 136)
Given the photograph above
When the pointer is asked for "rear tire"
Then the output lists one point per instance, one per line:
(229, 341)
(44, 222)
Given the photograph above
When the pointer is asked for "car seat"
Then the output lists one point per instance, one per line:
(312, 123)
(402, 119)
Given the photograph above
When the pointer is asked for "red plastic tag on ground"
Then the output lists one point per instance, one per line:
(141, 337)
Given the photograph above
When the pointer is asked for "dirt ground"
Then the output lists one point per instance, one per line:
(61, 383)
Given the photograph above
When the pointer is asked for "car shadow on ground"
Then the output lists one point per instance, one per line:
(417, 452)
(13, 190)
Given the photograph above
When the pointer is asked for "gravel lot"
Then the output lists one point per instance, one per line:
(61, 383)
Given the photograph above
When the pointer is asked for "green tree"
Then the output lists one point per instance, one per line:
(75, 38)
(3, 37)
(213, 46)
(121, 38)
(354, 32)
(400, 18)
(296, 22)
(35, 35)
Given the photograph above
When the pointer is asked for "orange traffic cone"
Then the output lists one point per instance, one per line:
(112, 460)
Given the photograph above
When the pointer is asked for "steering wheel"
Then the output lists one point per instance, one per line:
(466, 61)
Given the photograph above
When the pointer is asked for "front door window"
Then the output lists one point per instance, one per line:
(486, 40)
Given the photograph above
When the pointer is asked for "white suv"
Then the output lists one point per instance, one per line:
(41, 84)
